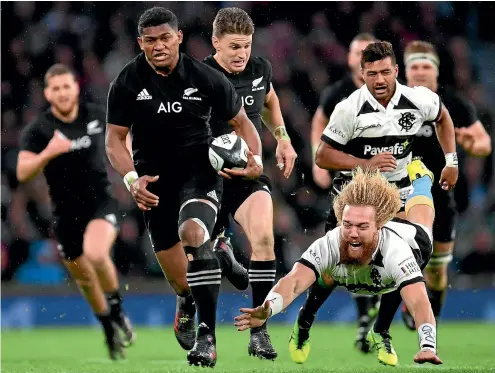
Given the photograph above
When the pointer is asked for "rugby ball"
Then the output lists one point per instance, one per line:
(228, 151)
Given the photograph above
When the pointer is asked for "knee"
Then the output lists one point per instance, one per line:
(191, 234)
(263, 245)
(436, 276)
(96, 257)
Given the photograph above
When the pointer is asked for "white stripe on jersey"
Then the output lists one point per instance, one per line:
(393, 261)
(363, 127)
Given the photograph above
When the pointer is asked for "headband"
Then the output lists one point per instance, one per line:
(423, 57)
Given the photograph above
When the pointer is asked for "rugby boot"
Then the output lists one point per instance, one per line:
(261, 346)
(184, 323)
(204, 352)
(231, 268)
(382, 343)
(299, 343)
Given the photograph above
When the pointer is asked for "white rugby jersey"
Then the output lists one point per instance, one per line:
(362, 127)
(393, 266)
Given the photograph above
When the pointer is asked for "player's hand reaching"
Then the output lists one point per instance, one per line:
(59, 144)
(253, 317)
(385, 162)
(286, 157)
(144, 199)
(464, 138)
(253, 169)
(427, 356)
(448, 178)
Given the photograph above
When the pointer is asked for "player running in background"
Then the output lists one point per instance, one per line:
(367, 306)
(249, 202)
(369, 253)
(164, 98)
(374, 127)
(422, 64)
(66, 142)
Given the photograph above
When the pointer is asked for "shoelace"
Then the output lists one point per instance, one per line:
(386, 338)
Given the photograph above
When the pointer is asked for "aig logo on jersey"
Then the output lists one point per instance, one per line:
(170, 107)
(247, 101)
(81, 143)
(256, 83)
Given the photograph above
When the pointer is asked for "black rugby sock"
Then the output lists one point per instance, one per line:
(388, 307)
(261, 278)
(204, 278)
(115, 301)
(437, 298)
(317, 295)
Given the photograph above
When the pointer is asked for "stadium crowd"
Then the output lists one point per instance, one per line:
(308, 51)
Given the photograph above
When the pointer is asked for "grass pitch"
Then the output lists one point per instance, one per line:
(463, 348)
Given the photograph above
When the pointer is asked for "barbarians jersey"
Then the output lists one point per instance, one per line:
(252, 85)
(335, 93)
(167, 114)
(393, 264)
(363, 128)
(426, 143)
(80, 174)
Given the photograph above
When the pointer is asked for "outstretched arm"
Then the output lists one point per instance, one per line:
(416, 300)
(283, 293)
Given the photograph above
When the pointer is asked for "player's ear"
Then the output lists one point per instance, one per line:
(180, 36)
(46, 93)
(140, 42)
(215, 42)
(396, 70)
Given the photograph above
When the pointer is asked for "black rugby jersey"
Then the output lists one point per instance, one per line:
(79, 175)
(252, 84)
(335, 93)
(168, 113)
(426, 143)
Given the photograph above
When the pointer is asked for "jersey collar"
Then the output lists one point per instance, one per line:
(179, 69)
(394, 100)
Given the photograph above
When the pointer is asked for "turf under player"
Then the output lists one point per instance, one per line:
(422, 69)
(66, 142)
(371, 252)
(367, 306)
(164, 98)
(375, 127)
(249, 201)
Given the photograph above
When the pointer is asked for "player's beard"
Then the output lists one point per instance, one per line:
(65, 110)
(357, 259)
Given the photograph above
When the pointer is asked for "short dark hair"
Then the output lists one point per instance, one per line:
(378, 51)
(232, 21)
(157, 16)
(58, 69)
(364, 36)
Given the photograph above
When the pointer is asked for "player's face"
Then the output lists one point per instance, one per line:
(421, 73)
(62, 92)
(354, 56)
(379, 77)
(359, 234)
(233, 50)
(160, 44)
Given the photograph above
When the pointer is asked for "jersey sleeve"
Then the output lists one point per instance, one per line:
(119, 105)
(269, 76)
(32, 139)
(403, 269)
(340, 128)
(318, 256)
(429, 102)
(225, 101)
(328, 101)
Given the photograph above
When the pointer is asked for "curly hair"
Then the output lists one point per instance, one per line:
(369, 188)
